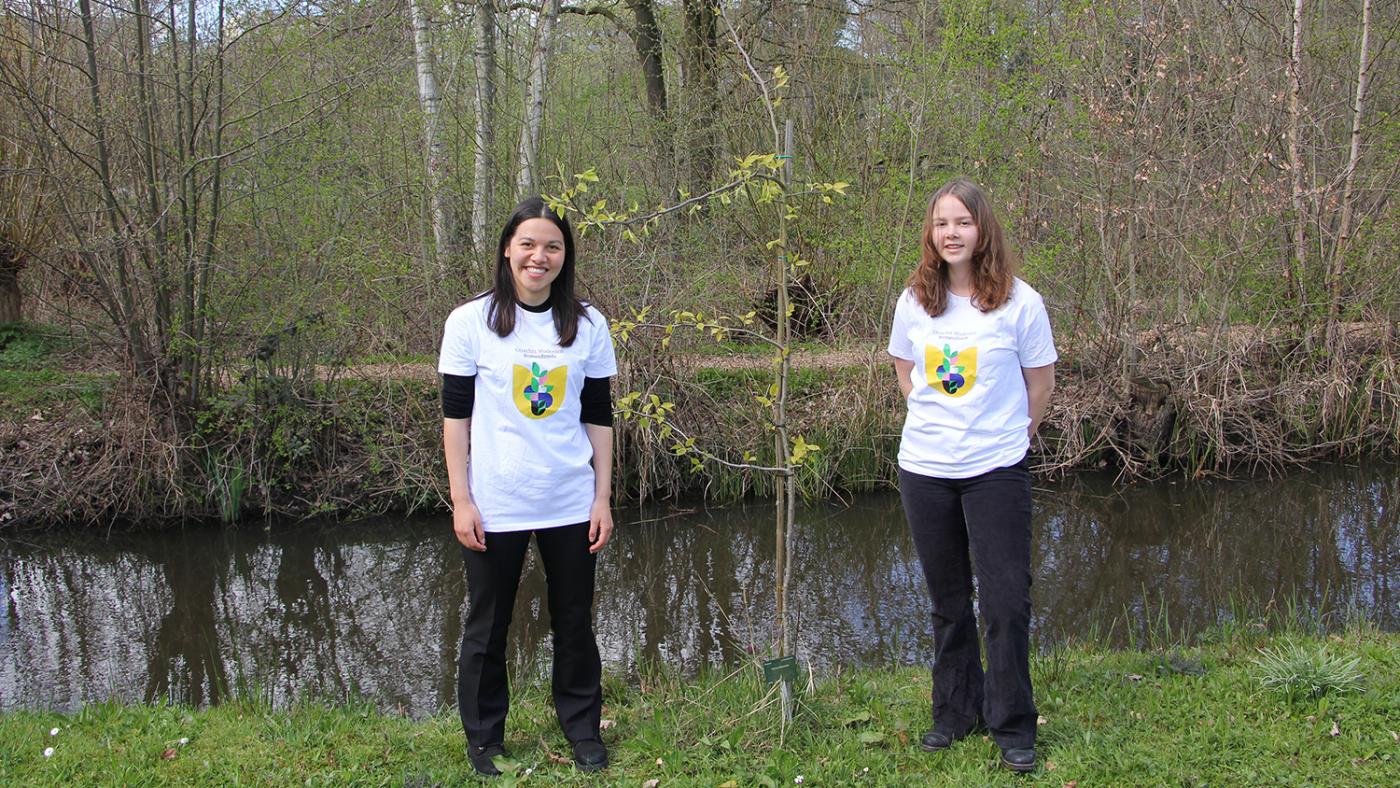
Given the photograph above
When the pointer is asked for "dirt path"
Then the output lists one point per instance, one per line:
(834, 358)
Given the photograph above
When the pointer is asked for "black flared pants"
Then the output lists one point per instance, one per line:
(979, 526)
(483, 691)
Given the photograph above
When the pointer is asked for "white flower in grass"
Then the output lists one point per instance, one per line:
(184, 740)
(797, 780)
(53, 731)
(48, 752)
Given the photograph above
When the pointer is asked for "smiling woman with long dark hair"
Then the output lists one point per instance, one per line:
(527, 432)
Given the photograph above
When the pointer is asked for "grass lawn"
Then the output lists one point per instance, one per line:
(1189, 716)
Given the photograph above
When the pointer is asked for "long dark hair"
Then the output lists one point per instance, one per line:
(993, 264)
(567, 308)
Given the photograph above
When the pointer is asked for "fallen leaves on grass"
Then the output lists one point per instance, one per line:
(168, 755)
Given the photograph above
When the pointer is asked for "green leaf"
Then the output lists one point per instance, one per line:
(863, 716)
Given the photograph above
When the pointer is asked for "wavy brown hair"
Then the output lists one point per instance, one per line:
(993, 264)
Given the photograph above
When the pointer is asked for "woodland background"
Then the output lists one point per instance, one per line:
(217, 216)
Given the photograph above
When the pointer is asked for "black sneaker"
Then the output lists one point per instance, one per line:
(482, 759)
(590, 755)
(1019, 759)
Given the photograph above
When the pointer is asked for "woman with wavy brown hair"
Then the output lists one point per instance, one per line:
(975, 360)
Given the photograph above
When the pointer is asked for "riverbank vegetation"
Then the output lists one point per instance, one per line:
(85, 447)
(222, 212)
(1239, 706)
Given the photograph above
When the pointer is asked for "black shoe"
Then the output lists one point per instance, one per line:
(934, 741)
(482, 759)
(1019, 759)
(590, 755)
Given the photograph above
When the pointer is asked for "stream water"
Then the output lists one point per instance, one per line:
(373, 609)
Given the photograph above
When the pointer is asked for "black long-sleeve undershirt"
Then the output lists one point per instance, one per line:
(595, 401)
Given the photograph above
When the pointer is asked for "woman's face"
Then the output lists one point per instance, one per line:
(535, 253)
(954, 231)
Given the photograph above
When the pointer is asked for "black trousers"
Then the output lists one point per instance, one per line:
(980, 525)
(483, 691)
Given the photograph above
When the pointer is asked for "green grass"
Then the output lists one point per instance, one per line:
(22, 389)
(30, 374)
(1110, 718)
(28, 345)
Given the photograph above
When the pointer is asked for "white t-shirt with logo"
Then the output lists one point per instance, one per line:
(530, 456)
(968, 412)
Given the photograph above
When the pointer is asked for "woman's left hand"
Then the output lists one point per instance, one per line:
(600, 526)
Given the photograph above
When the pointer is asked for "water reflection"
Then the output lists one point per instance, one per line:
(375, 609)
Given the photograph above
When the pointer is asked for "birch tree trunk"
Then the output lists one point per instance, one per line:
(435, 152)
(527, 169)
(484, 57)
(1344, 229)
(1295, 158)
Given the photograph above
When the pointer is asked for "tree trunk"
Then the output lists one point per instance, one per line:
(646, 35)
(11, 263)
(527, 165)
(196, 365)
(435, 152)
(702, 83)
(484, 56)
(647, 38)
(1344, 229)
(1295, 158)
(122, 301)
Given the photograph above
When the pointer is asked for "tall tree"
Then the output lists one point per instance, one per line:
(24, 216)
(435, 152)
(1344, 229)
(527, 164)
(699, 54)
(1295, 130)
(646, 37)
(484, 139)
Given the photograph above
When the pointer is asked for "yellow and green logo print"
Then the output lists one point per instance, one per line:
(951, 371)
(539, 392)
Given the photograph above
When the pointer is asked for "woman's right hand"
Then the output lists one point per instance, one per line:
(466, 523)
